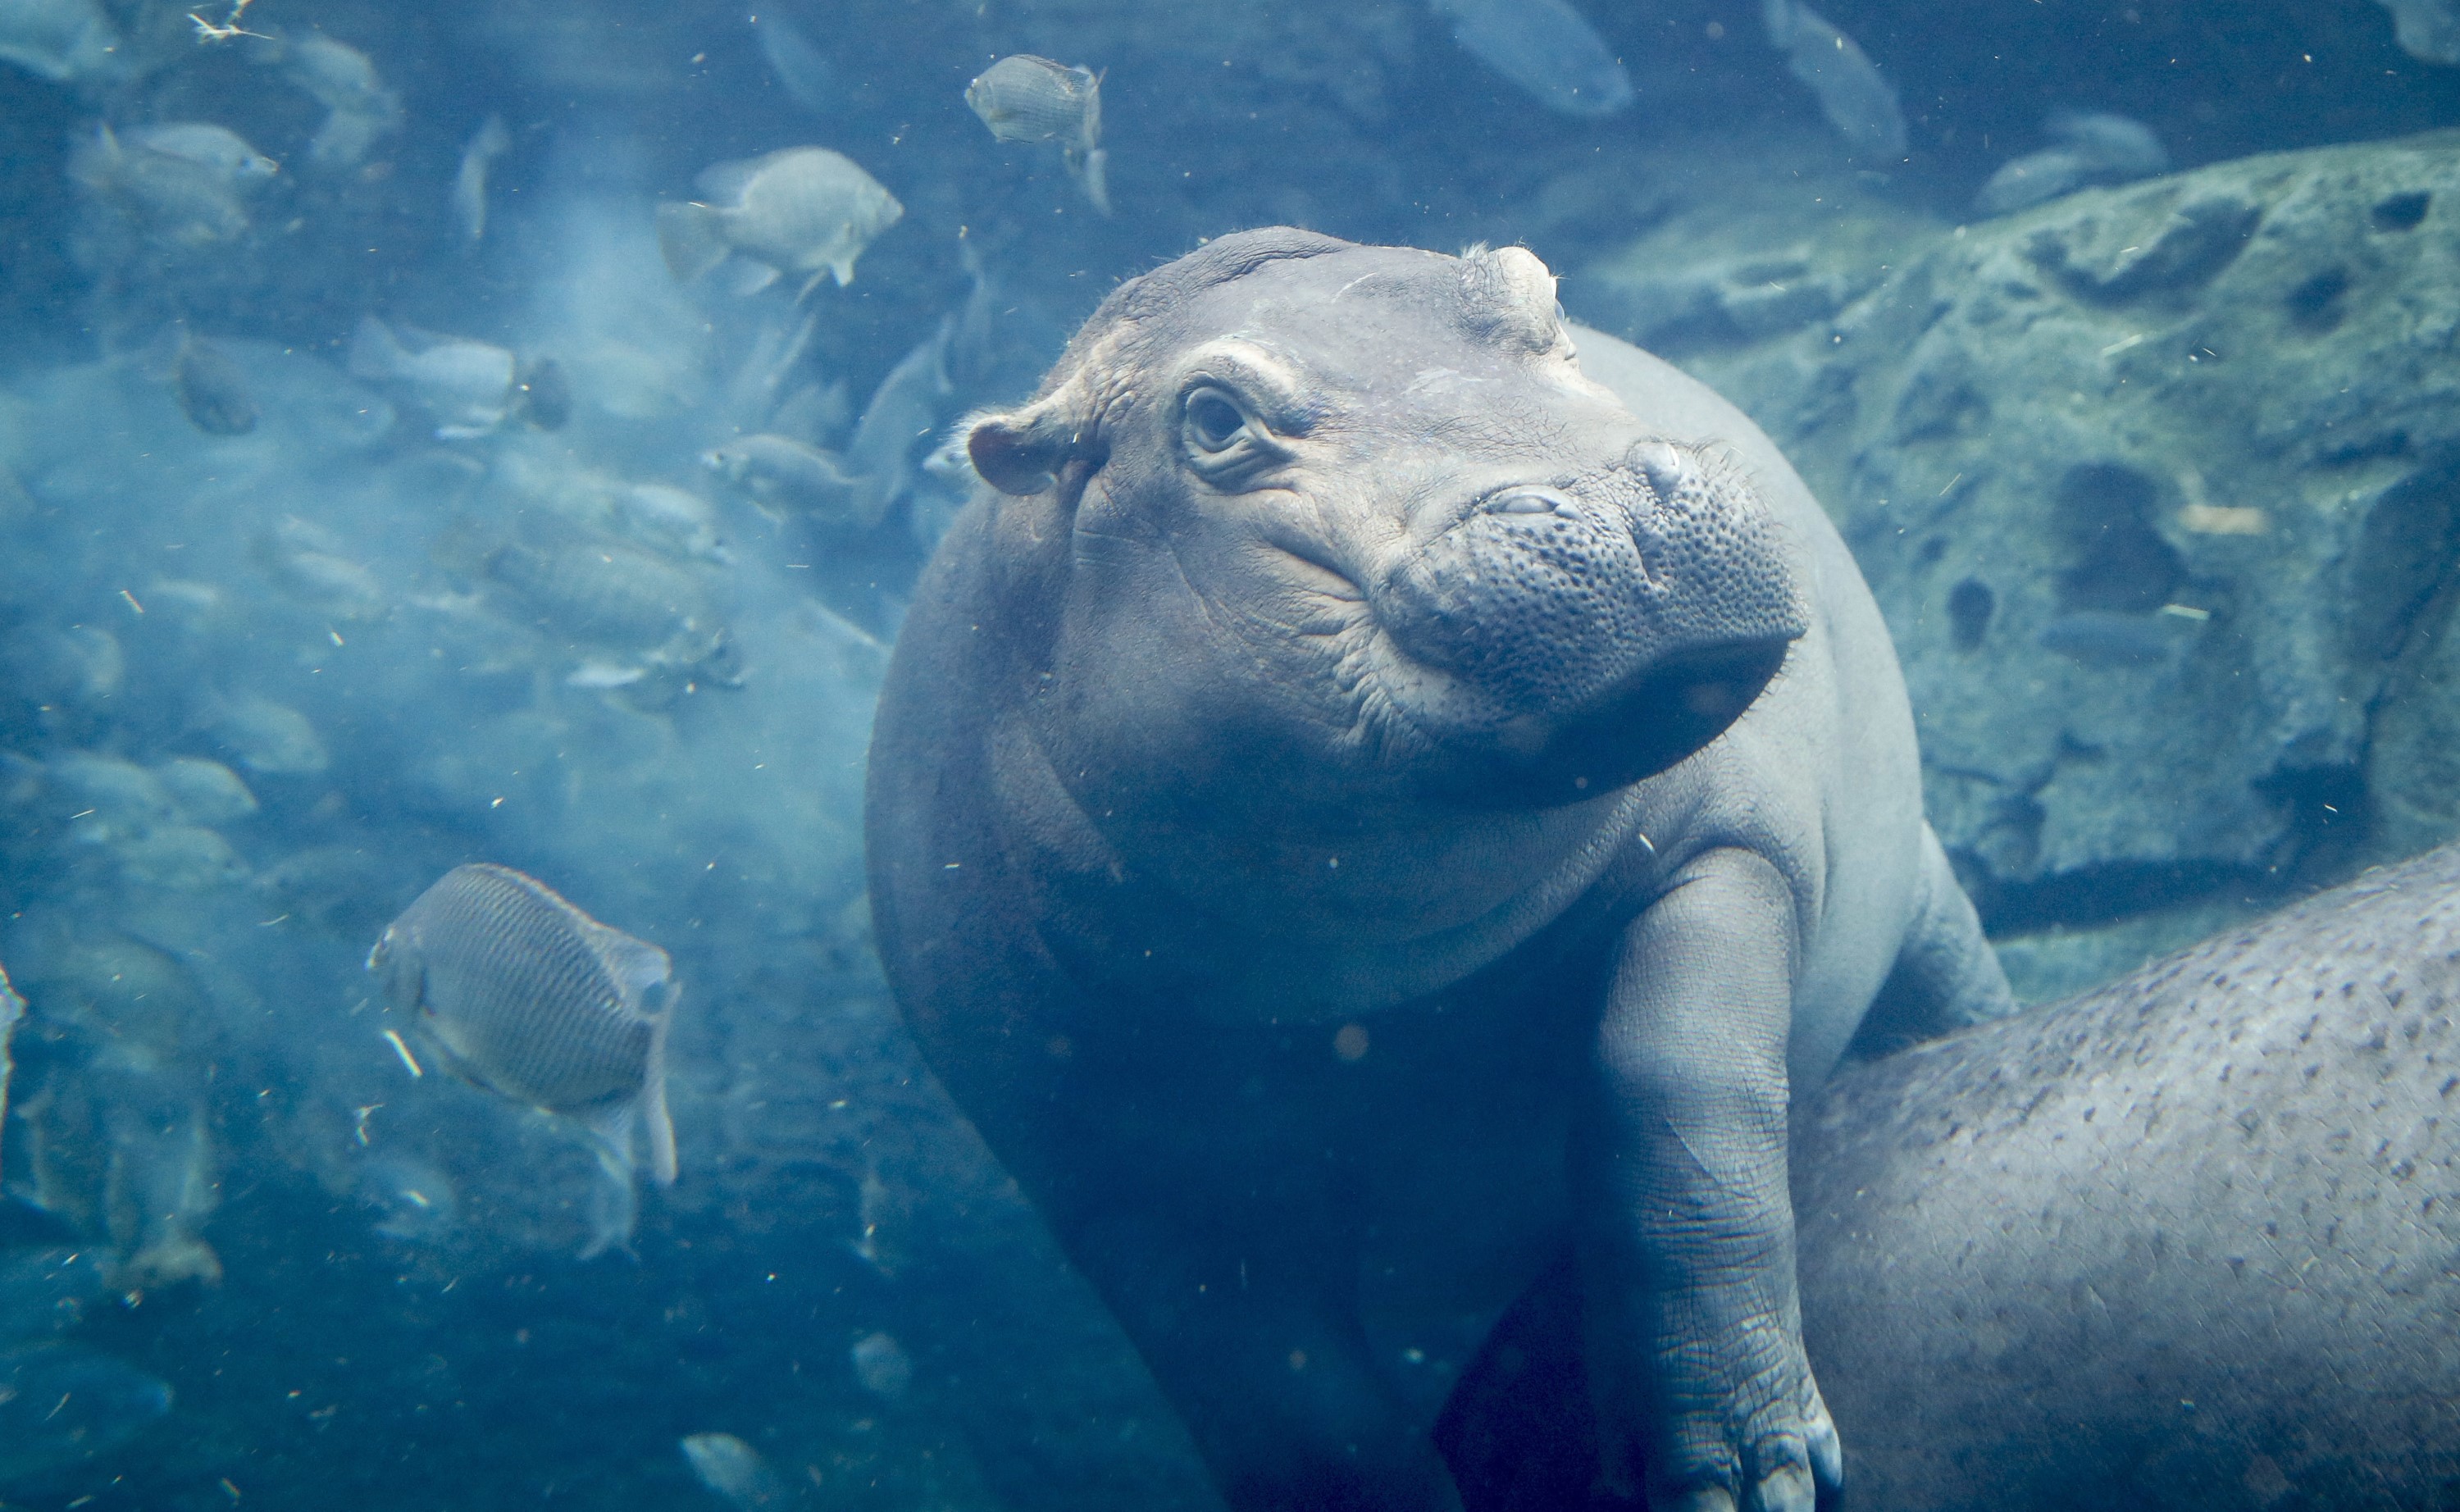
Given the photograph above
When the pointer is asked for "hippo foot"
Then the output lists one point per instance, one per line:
(1737, 1425)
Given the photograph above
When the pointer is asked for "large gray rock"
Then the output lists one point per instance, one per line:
(2157, 488)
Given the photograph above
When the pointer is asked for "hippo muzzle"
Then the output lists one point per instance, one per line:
(1572, 636)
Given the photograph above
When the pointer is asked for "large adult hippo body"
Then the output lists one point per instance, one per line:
(2190, 1240)
(1365, 796)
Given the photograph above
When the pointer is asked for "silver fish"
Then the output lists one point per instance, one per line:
(13, 1008)
(803, 210)
(268, 737)
(604, 592)
(2109, 638)
(783, 475)
(204, 792)
(2094, 147)
(62, 1404)
(470, 181)
(219, 148)
(1854, 96)
(169, 198)
(801, 66)
(881, 1365)
(734, 1470)
(468, 386)
(1546, 47)
(213, 392)
(360, 110)
(58, 40)
(1033, 99)
(43, 1292)
(525, 996)
(2427, 29)
(307, 561)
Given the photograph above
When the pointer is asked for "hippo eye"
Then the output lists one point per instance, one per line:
(1214, 420)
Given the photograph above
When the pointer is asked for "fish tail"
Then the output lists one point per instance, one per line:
(1093, 168)
(374, 352)
(691, 238)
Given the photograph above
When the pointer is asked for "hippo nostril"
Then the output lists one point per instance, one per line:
(1530, 502)
(1663, 464)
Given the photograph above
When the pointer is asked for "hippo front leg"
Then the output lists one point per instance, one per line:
(1694, 1332)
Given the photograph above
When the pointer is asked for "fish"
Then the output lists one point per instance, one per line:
(2425, 30)
(881, 1365)
(103, 797)
(212, 391)
(307, 561)
(608, 594)
(412, 1200)
(467, 385)
(50, 667)
(802, 210)
(44, 1292)
(541, 395)
(470, 180)
(219, 148)
(810, 80)
(12, 1012)
(62, 1404)
(2036, 178)
(268, 738)
(1027, 98)
(2094, 147)
(674, 520)
(171, 199)
(1547, 49)
(904, 414)
(523, 994)
(1853, 94)
(360, 111)
(59, 40)
(784, 475)
(2115, 144)
(2108, 638)
(734, 1470)
(204, 792)
(179, 858)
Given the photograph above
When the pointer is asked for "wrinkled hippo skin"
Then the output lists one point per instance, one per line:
(1366, 797)
(2186, 1242)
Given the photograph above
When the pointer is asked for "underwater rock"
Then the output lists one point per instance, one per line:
(2195, 438)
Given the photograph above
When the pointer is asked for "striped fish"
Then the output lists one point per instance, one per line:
(521, 994)
(1030, 99)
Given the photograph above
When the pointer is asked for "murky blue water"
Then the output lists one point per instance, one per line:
(366, 510)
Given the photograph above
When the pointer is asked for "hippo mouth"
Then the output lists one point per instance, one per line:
(1658, 716)
(1556, 642)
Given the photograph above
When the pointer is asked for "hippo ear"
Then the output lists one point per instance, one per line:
(1511, 295)
(1020, 451)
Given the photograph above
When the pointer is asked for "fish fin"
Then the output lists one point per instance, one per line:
(374, 352)
(724, 183)
(755, 277)
(655, 1121)
(614, 1206)
(842, 270)
(691, 238)
(1092, 170)
(637, 966)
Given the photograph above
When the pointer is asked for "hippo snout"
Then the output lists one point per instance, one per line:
(1612, 624)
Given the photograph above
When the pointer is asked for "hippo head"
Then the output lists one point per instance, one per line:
(1319, 529)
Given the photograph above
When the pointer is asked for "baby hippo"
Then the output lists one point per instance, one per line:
(1380, 784)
